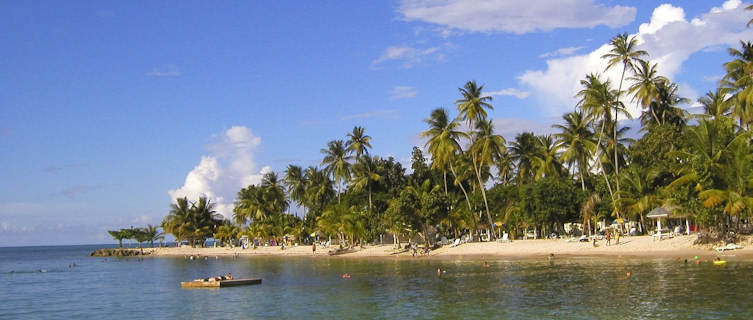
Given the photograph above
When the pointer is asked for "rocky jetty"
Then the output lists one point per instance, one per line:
(118, 253)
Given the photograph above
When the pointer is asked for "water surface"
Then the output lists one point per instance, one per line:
(297, 287)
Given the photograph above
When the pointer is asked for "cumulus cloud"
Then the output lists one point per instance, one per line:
(510, 92)
(229, 167)
(665, 37)
(166, 71)
(402, 92)
(515, 16)
(409, 56)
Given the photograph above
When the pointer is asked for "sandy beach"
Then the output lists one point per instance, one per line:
(639, 246)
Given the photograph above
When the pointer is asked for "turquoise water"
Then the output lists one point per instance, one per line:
(302, 287)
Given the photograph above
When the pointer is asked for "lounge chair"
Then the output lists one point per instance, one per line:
(505, 238)
(456, 243)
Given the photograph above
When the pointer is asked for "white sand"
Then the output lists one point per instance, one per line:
(641, 246)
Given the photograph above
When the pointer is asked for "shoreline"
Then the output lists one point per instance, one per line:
(630, 247)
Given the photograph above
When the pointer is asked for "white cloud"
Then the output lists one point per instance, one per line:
(712, 78)
(402, 92)
(515, 16)
(220, 175)
(510, 92)
(166, 71)
(666, 37)
(561, 52)
(408, 55)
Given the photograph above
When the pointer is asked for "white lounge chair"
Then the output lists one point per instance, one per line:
(729, 246)
(505, 238)
(456, 243)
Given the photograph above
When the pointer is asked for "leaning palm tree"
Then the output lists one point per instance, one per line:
(336, 163)
(473, 103)
(443, 144)
(486, 149)
(578, 142)
(358, 142)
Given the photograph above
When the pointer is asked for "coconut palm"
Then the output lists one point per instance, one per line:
(523, 151)
(578, 142)
(336, 163)
(295, 182)
(588, 211)
(153, 232)
(358, 142)
(547, 159)
(486, 149)
(623, 51)
(226, 232)
(639, 194)
(740, 82)
(319, 189)
(366, 173)
(644, 88)
(473, 103)
(443, 144)
(118, 235)
(715, 104)
(664, 108)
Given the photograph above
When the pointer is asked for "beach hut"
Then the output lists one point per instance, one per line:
(658, 213)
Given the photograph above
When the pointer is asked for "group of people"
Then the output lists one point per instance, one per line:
(227, 276)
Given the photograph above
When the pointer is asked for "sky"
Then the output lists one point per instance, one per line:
(110, 109)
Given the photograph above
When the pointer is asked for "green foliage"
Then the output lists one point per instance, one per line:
(549, 201)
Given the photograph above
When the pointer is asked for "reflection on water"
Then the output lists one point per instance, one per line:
(567, 288)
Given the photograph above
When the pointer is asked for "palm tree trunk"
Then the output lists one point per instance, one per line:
(467, 200)
(477, 170)
(339, 185)
(598, 160)
(616, 143)
(369, 197)
(444, 176)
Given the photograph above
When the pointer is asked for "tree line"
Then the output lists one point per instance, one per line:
(472, 179)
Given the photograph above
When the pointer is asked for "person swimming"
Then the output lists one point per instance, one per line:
(346, 276)
(486, 264)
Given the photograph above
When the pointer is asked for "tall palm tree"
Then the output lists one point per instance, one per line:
(319, 189)
(153, 233)
(336, 163)
(644, 87)
(624, 51)
(664, 108)
(358, 142)
(473, 103)
(486, 149)
(366, 173)
(274, 193)
(578, 142)
(443, 144)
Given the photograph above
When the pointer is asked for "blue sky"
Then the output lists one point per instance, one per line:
(109, 108)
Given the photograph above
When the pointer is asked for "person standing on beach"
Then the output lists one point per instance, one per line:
(608, 236)
(313, 248)
(617, 237)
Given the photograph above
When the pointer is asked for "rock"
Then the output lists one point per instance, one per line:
(119, 252)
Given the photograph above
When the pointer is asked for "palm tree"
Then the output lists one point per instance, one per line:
(740, 82)
(358, 142)
(644, 88)
(523, 152)
(624, 51)
(547, 158)
(473, 103)
(486, 149)
(588, 211)
(366, 173)
(578, 142)
(118, 235)
(443, 144)
(178, 221)
(295, 182)
(715, 104)
(153, 233)
(664, 107)
(639, 195)
(319, 189)
(226, 232)
(336, 163)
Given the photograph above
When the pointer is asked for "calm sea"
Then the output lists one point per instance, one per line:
(312, 288)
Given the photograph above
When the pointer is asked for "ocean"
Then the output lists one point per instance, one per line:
(42, 283)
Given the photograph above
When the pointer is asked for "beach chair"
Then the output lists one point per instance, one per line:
(505, 238)
(456, 243)
(729, 246)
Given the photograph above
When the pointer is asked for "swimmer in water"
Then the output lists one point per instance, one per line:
(486, 264)
(551, 256)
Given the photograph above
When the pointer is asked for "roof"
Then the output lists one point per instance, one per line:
(658, 212)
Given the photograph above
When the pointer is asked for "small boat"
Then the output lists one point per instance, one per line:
(720, 262)
(219, 284)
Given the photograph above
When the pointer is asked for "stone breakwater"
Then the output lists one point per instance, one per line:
(119, 253)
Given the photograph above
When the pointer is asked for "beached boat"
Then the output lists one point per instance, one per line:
(219, 284)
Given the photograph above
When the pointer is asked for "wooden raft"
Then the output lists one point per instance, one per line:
(219, 284)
